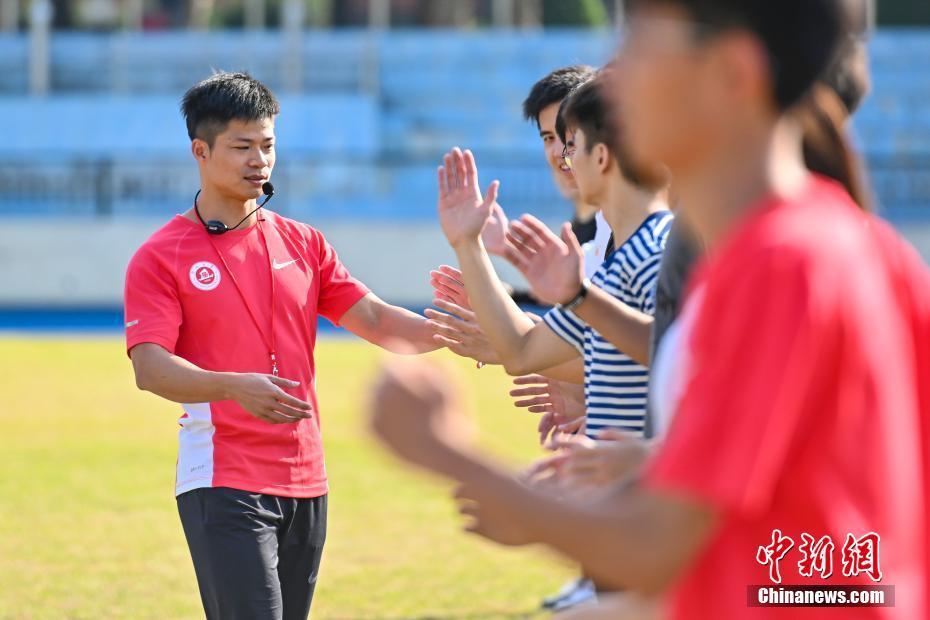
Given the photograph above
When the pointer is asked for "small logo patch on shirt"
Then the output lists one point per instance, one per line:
(132, 323)
(205, 276)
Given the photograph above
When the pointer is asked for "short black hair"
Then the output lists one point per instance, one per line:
(561, 125)
(801, 37)
(554, 88)
(588, 109)
(210, 105)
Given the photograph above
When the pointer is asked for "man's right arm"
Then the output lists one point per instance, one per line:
(174, 378)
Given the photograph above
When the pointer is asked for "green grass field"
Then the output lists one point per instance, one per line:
(89, 527)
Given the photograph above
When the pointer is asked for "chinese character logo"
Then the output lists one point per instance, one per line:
(817, 556)
(772, 554)
(860, 555)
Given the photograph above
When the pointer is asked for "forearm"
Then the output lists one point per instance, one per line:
(502, 321)
(176, 379)
(390, 327)
(619, 543)
(400, 324)
(570, 372)
(624, 327)
(615, 540)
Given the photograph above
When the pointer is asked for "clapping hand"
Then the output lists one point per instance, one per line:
(553, 266)
(463, 212)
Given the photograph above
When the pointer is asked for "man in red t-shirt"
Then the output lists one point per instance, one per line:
(222, 306)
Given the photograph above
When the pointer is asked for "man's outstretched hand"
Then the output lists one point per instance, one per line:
(449, 285)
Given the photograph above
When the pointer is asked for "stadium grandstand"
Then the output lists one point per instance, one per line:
(373, 93)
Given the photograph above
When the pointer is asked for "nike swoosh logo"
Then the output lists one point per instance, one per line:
(277, 265)
(132, 323)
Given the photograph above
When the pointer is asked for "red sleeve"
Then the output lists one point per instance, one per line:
(339, 291)
(913, 289)
(754, 354)
(153, 309)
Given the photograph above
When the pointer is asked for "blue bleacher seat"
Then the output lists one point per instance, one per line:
(372, 114)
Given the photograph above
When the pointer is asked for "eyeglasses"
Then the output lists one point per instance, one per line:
(568, 151)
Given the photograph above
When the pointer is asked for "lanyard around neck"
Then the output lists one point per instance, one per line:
(269, 341)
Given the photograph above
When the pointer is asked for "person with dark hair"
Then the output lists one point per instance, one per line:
(630, 332)
(222, 305)
(615, 381)
(209, 106)
(588, 110)
(541, 106)
(823, 121)
(800, 403)
(462, 334)
(632, 202)
(826, 148)
(584, 117)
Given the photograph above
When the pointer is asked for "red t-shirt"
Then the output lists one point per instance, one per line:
(180, 295)
(805, 408)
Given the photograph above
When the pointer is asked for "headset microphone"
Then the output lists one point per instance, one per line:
(216, 227)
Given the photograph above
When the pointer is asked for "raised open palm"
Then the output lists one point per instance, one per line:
(463, 211)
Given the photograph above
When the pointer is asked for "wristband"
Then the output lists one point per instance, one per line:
(580, 297)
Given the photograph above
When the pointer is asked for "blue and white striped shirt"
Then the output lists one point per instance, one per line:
(615, 386)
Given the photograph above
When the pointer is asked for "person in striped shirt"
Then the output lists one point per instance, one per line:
(616, 385)
(633, 201)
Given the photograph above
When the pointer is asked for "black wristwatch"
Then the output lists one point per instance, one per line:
(577, 299)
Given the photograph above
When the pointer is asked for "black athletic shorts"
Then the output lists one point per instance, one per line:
(256, 556)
